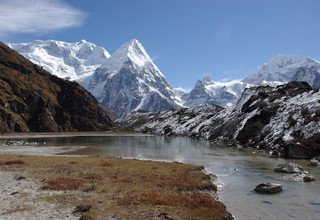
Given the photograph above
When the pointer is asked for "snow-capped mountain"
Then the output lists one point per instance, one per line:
(72, 61)
(278, 70)
(129, 80)
(181, 92)
(285, 68)
(207, 91)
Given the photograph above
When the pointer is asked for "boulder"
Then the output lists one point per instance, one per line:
(308, 178)
(288, 168)
(314, 162)
(274, 154)
(298, 177)
(268, 188)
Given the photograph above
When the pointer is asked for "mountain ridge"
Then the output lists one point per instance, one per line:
(72, 61)
(146, 83)
(285, 68)
(278, 70)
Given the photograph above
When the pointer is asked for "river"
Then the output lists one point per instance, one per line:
(238, 171)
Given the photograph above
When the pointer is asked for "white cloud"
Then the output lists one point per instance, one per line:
(37, 16)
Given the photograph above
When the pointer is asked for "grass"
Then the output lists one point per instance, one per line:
(125, 189)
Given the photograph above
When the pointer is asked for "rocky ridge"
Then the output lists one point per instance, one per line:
(284, 118)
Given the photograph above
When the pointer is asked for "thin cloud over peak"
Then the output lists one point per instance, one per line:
(37, 16)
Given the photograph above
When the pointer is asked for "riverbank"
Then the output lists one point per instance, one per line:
(41, 187)
(70, 134)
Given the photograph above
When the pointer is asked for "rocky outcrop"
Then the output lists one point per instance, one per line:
(288, 168)
(185, 122)
(314, 162)
(284, 119)
(297, 173)
(31, 99)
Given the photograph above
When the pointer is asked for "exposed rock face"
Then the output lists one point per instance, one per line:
(284, 118)
(184, 122)
(31, 99)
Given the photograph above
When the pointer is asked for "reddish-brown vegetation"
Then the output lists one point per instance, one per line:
(191, 200)
(63, 184)
(11, 162)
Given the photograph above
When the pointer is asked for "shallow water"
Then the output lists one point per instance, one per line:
(238, 171)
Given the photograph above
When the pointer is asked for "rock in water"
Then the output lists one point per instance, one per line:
(268, 188)
(274, 154)
(314, 162)
(288, 168)
(308, 178)
(33, 100)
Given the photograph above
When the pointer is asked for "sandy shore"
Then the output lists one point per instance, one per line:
(20, 199)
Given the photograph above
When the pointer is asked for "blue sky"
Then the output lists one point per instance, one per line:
(188, 39)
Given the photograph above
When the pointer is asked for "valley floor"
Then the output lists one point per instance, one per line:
(39, 187)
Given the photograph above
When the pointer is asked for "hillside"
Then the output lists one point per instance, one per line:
(284, 118)
(31, 99)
